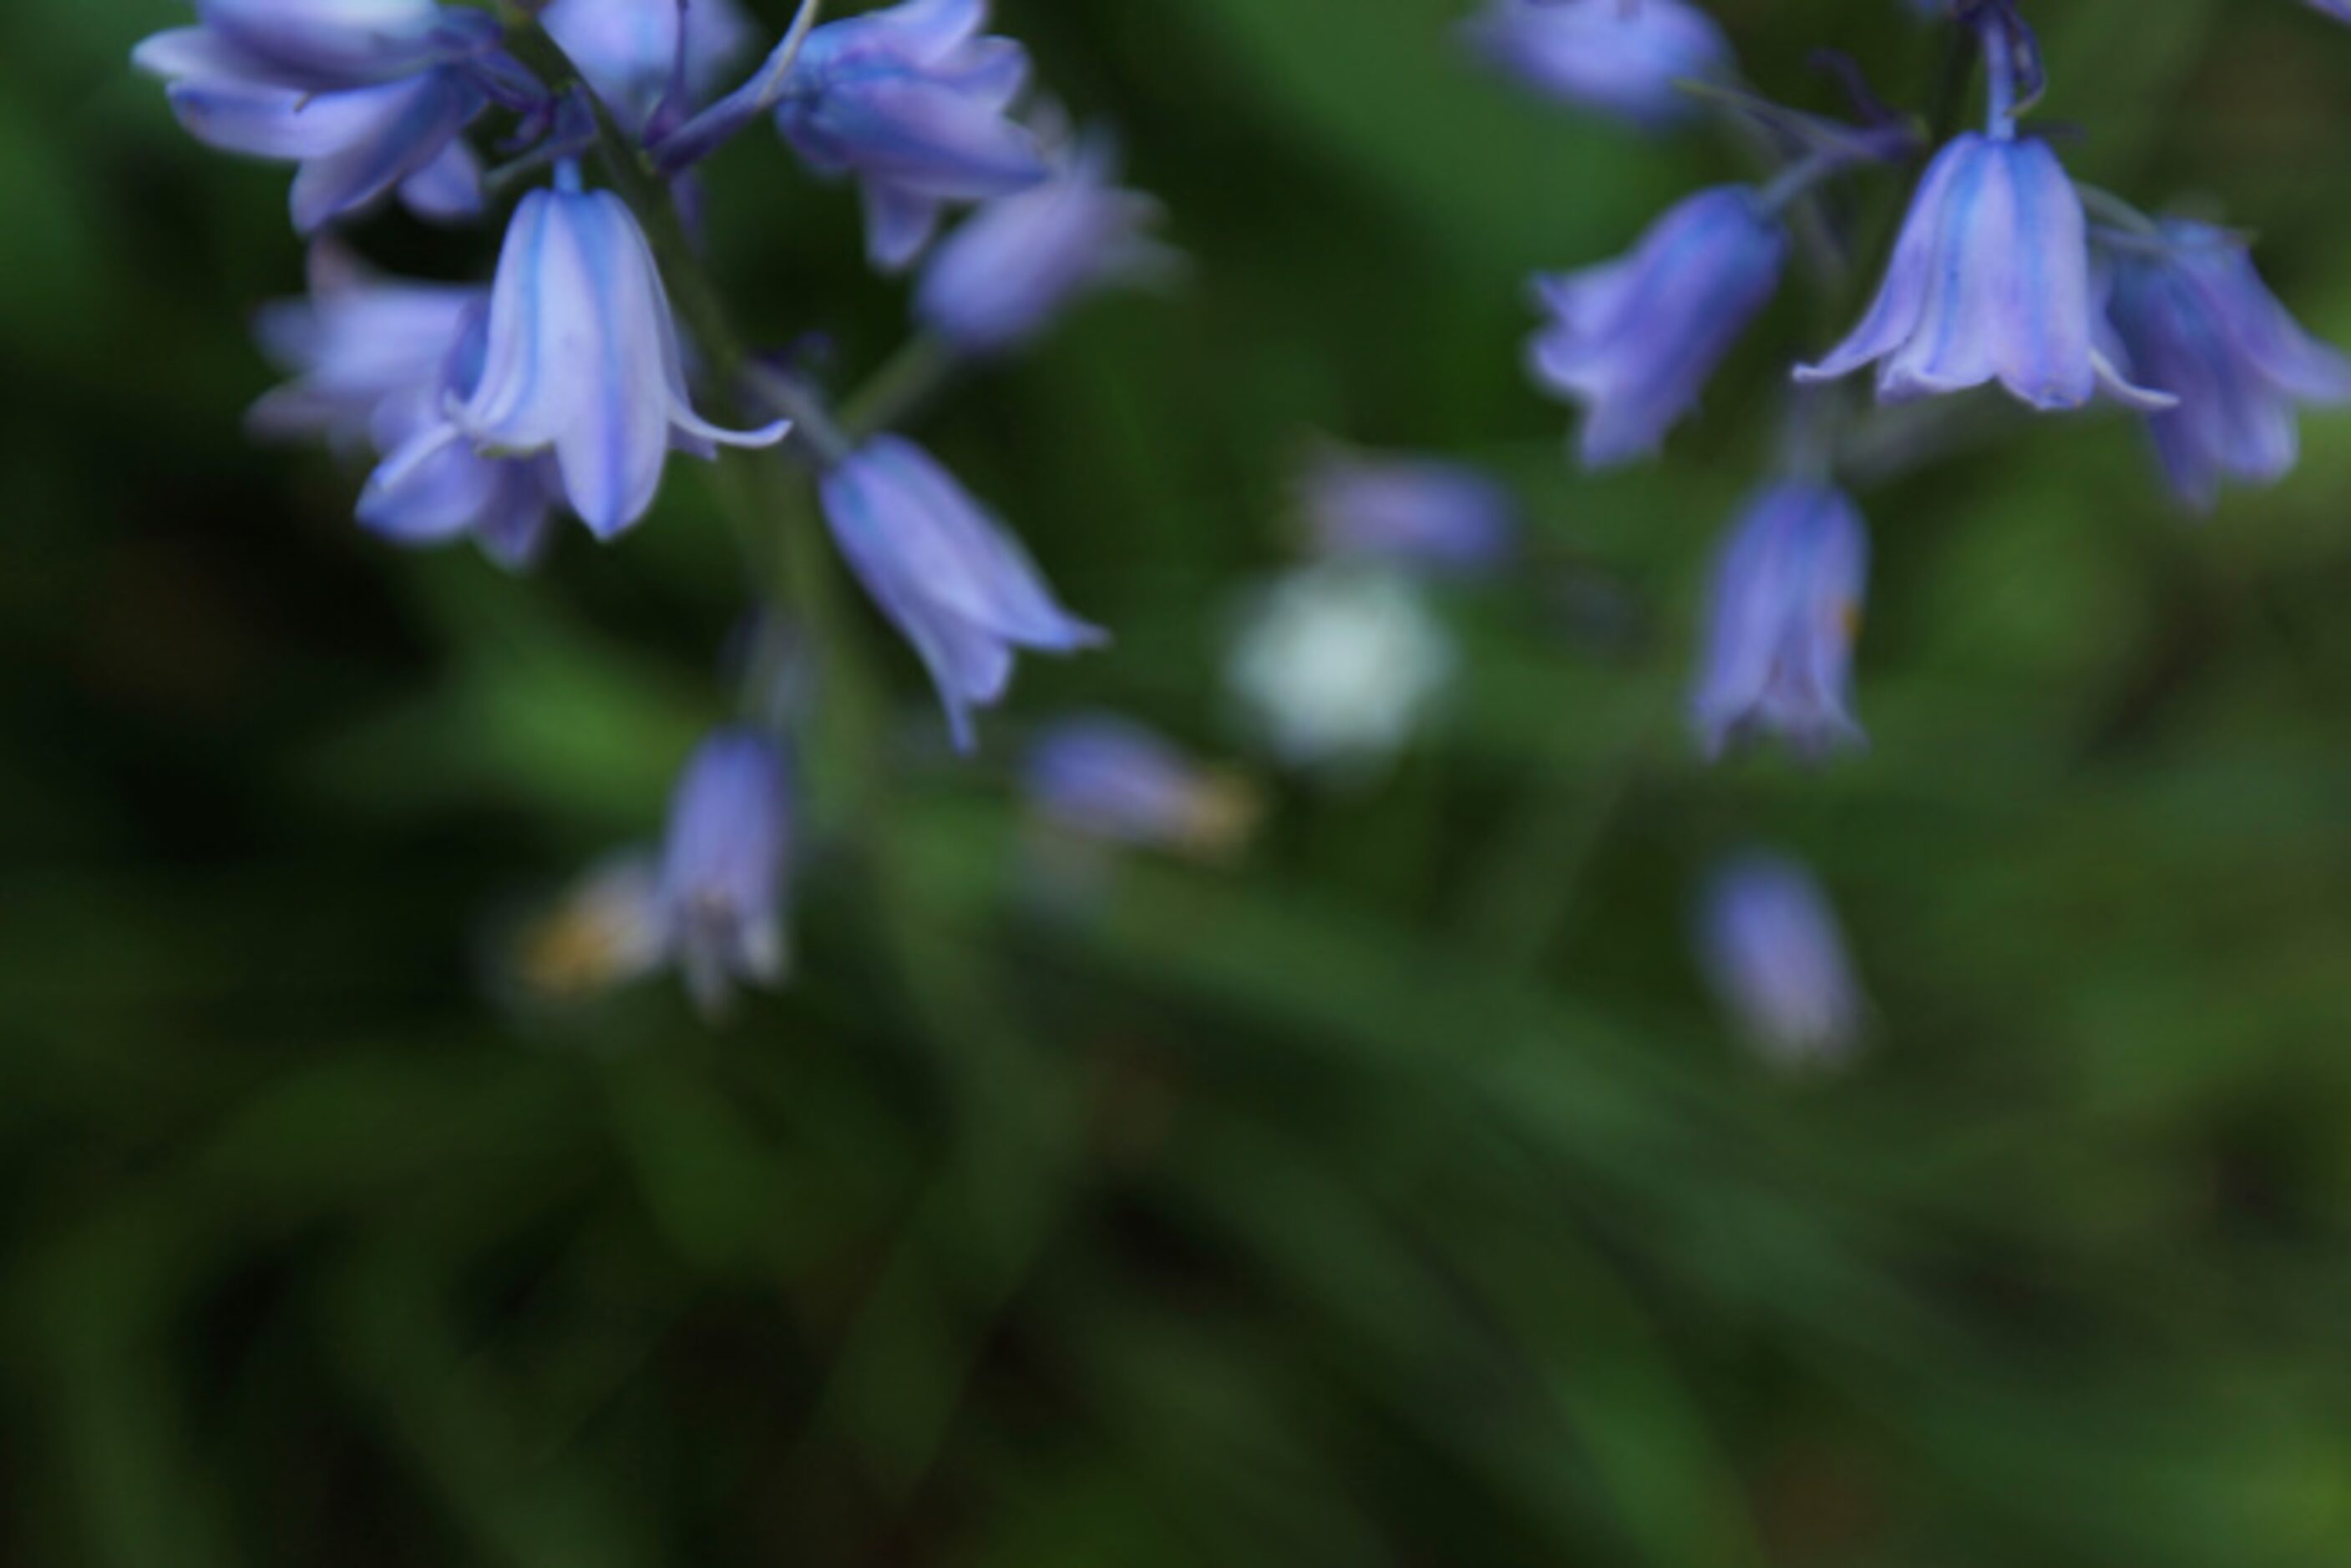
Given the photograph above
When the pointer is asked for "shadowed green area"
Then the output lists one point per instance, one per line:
(1391, 1196)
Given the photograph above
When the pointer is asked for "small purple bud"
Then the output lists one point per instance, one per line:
(724, 868)
(1108, 778)
(582, 359)
(1634, 340)
(2195, 318)
(1771, 950)
(1786, 607)
(946, 572)
(915, 102)
(627, 50)
(1990, 280)
(1001, 278)
(1622, 57)
(1418, 511)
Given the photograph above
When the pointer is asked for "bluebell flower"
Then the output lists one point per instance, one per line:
(1771, 949)
(2195, 318)
(627, 50)
(367, 98)
(1786, 605)
(1634, 340)
(1109, 778)
(1990, 280)
(2338, 9)
(434, 486)
(915, 102)
(1418, 511)
(1001, 278)
(376, 363)
(724, 865)
(946, 572)
(1622, 57)
(582, 359)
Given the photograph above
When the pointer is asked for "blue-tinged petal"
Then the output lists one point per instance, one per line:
(345, 40)
(945, 572)
(1894, 313)
(898, 224)
(448, 190)
(406, 127)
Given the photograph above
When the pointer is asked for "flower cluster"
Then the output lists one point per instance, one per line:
(564, 384)
(2004, 273)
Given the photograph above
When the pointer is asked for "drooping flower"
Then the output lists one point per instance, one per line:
(368, 97)
(915, 102)
(582, 359)
(1338, 665)
(377, 362)
(1771, 948)
(2338, 9)
(353, 342)
(1415, 511)
(1001, 278)
(1624, 58)
(1786, 605)
(627, 50)
(1109, 778)
(1633, 340)
(2195, 319)
(945, 572)
(723, 867)
(1990, 280)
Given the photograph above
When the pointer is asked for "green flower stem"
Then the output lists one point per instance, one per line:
(1005, 1182)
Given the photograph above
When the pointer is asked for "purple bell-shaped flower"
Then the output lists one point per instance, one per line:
(1624, 58)
(946, 572)
(1001, 278)
(915, 102)
(1774, 953)
(582, 359)
(724, 868)
(368, 97)
(2195, 318)
(1634, 340)
(1786, 605)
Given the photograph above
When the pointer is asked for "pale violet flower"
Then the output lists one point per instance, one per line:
(2195, 319)
(724, 868)
(1418, 512)
(1773, 952)
(1989, 282)
(1109, 778)
(367, 97)
(1019, 261)
(1786, 608)
(376, 362)
(1634, 340)
(582, 359)
(1339, 665)
(915, 101)
(1622, 57)
(946, 572)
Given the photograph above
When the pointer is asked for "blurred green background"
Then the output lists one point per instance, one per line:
(1393, 1196)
